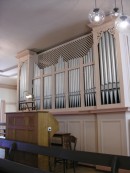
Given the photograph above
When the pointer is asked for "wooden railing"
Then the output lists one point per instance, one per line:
(115, 162)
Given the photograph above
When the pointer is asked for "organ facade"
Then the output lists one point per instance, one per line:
(85, 84)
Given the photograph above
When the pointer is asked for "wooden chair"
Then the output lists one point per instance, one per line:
(70, 144)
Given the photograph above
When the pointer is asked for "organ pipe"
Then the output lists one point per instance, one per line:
(47, 93)
(89, 84)
(36, 86)
(74, 83)
(60, 77)
(109, 82)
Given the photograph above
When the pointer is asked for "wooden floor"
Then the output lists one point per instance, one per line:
(79, 169)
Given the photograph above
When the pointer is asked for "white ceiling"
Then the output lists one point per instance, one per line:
(42, 24)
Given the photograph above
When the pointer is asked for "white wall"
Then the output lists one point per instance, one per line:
(9, 97)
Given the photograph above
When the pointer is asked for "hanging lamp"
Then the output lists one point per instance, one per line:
(96, 16)
(115, 12)
(122, 23)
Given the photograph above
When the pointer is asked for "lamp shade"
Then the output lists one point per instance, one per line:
(122, 24)
(115, 12)
(96, 16)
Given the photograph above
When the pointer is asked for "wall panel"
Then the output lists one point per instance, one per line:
(62, 126)
(112, 133)
(83, 127)
(104, 132)
(90, 136)
(74, 127)
(111, 142)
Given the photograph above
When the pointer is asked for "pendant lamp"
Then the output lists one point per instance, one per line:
(122, 23)
(115, 12)
(96, 16)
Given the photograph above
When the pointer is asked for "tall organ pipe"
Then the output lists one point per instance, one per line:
(108, 70)
(109, 66)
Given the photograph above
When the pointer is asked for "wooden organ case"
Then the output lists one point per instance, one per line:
(31, 127)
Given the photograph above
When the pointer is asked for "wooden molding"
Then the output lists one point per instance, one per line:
(8, 86)
(89, 112)
(25, 53)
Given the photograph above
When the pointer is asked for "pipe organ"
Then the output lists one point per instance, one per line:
(73, 89)
(65, 77)
(88, 80)
(68, 82)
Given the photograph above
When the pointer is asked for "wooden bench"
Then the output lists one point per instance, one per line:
(7, 166)
(123, 164)
(115, 162)
(13, 146)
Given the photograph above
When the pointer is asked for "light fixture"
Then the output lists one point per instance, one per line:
(29, 96)
(122, 23)
(96, 16)
(115, 12)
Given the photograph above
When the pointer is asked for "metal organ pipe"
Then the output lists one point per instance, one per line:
(22, 84)
(74, 83)
(102, 75)
(47, 88)
(108, 70)
(60, 95)
(92, 76)
(89, 85)
(117, 84)
(36, 85)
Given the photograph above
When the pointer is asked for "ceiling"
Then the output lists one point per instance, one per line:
(42, 24)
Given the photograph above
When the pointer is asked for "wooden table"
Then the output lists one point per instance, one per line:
(60, 139)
